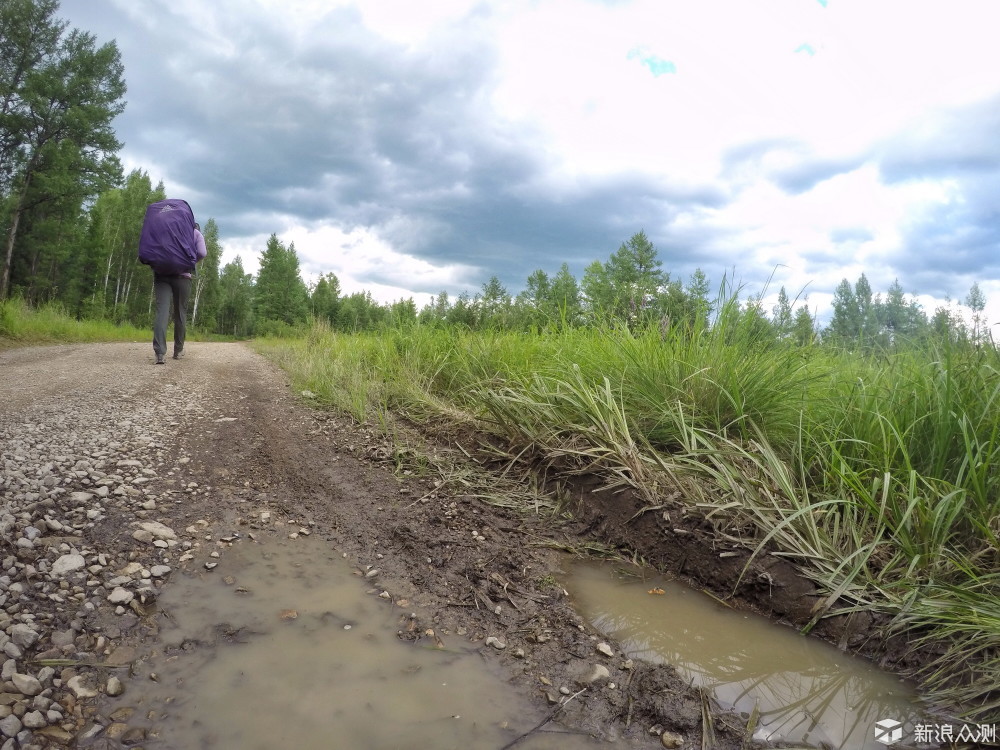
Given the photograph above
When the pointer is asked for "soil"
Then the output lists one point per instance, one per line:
(415, 499)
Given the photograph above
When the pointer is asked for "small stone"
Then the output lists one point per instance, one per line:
(10, 726)
(671, 739)
(120, 596)
(67, 564)
(605, 649)
(158, 530)
(23, 635)
(34, 720)
(116, 730)
(496, 643)
(114, 688)
(26, 684)
(81, 687)
(140, 535)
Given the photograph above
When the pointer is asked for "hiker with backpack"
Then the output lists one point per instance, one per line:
(171, 243)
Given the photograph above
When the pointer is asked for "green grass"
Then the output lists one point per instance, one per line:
(23, 325)
(878, 475)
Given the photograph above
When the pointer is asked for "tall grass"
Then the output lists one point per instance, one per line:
(21, 324)
(24, 325)
(878, 475)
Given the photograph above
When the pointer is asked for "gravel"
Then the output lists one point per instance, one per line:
(85, 475)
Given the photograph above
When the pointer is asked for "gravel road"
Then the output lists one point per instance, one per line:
(95, 494)
(117, 474)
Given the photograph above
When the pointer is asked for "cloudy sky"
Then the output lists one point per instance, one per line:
(411, 147)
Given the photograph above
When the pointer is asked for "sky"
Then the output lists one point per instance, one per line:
(414, 147)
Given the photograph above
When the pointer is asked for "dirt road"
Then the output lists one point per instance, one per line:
(116, 471)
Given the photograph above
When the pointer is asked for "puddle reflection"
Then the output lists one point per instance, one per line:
(804, 689)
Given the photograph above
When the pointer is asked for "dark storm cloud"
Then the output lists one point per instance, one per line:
(956, 143)
(344, 127)
(960, 235)
(800, 171)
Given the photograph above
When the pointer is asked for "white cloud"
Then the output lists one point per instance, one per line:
(516, 147)
(359, 258)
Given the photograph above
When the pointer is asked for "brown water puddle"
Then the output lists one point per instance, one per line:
(241, 671)
(805, 690)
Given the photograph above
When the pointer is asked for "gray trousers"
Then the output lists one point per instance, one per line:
(167, 288)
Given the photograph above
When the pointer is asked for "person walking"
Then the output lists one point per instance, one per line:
(175, 288)
(172, 244)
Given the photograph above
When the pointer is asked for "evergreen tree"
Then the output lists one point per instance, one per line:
(845, 326)
(533, 303)
(697, 292)
(564, 297)
(803, 327)
(899, 317)
(635, 275)
(462, 313)
(325, 298)
(280, 294)
(867, 306)
(236, 291)
(598, 292)
(494, 304)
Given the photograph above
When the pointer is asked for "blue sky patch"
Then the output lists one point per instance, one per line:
(656, 65)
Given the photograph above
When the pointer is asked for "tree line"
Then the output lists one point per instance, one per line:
(72, 222)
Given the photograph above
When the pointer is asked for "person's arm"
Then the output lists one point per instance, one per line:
(201, 251)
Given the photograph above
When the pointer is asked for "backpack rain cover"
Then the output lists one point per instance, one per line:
(167, 242)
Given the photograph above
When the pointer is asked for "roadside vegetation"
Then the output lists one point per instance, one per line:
(22, 325)
(871, 466)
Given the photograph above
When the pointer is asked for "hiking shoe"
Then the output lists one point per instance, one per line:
(159, 359)
(178, 354)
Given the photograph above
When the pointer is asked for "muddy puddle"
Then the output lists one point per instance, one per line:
(281, 646)
(805, 690)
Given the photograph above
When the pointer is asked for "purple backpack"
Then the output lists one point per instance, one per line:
(167, 242)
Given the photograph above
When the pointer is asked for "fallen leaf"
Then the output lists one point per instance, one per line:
(658, 591)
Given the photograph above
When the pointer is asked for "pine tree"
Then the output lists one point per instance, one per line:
(280, 294)
(564, 297)
(845, 326)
